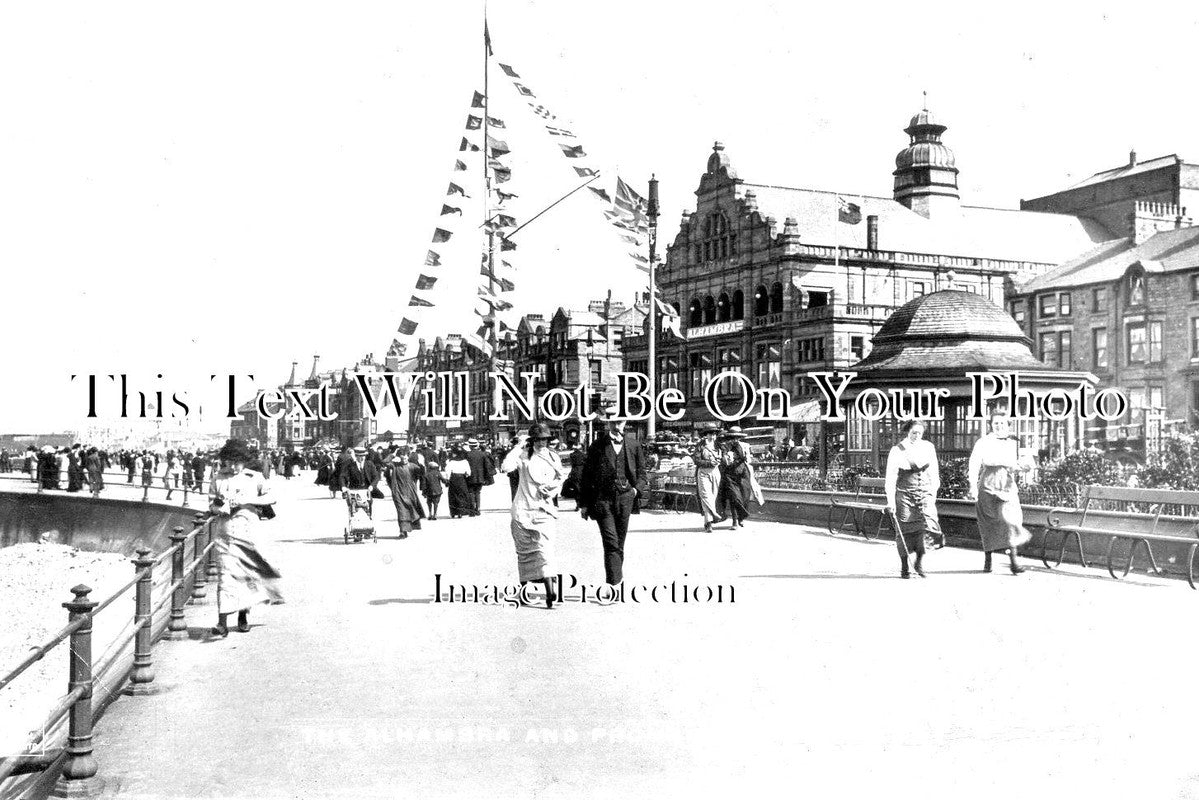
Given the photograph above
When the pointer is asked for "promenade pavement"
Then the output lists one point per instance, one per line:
(825, 676)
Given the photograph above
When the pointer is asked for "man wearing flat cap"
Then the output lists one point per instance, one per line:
(482, 473)
(610, 489)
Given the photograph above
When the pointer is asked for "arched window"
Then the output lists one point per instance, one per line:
(761, 302)
(724, 311)
(776, 298)
(695, 315)
(709, 310)
(718, 240)
(738, 304)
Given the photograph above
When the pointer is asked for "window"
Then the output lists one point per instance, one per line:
(761, 302)
(709, 310)
(917, 288)
(1056, 349)
(1144, 343)
(1099, 348)
(729, 359)
(857, 347)
(1195, 397)
(695, 314)
(1049, 348)
(769, 362)
(817, 299)
(1099, 299)
(668, 372)
(719, 241)
(724, 310)
(1136, 290)
(811, 349)
(1048, 306)
(1018, 310)
(738, 304)
(701, 372)
(1195, 337)
(776, 298)
(1063, 304)
(1195, 286)
(597, 373)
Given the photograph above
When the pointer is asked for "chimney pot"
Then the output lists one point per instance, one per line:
(1132, 158)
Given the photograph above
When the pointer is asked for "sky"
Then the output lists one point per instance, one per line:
(225, 188)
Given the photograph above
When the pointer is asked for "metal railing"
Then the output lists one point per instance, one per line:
(156, 483)
(94, 682)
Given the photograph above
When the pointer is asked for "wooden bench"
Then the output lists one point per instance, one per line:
(853, 512)
(1156, 500)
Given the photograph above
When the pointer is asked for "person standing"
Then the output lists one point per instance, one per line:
(95, 471)
(430, 484)
(403, 476)
(994, 462)
(238, 498)
(707, 477)
(736, 486)
(482, 473)
(540, 475)
(911, 484)
(197, 467)
(610, 488)
(74, 468)
(457, 471)
(147, 471)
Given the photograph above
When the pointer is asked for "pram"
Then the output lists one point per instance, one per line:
(361, 524)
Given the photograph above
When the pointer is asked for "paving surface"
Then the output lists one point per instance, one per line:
(827, 676)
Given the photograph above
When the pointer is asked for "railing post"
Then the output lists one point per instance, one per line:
(200, 575)
(185, 493)
(79, 770)
(143, 667)
(146, 493)
(177, 626)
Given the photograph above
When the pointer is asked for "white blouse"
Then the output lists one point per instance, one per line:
(994, 451)
(906, 455)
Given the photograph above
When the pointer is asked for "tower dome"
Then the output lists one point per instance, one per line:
(926, 174)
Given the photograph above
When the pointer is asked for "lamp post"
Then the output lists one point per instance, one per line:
(652, 212)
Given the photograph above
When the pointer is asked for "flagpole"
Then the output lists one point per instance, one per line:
(492, 338)
(652, 212)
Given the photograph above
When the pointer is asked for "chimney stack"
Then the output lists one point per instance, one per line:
(872, 232)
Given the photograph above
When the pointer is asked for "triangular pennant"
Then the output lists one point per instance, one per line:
(496, 122)
(441, 235)
(459, 166)
(467, 145)
(586, 172)
(497, 147)
(601, 194)
(419, 301)
(432, 259)
(572, 151)
(504, 196)
(505, 284)
(477, 100)
(450, 210)
(456, 189)
(507, 244)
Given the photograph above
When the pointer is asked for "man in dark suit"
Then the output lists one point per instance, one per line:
(360, 472)
(610, 488)
(482, 473)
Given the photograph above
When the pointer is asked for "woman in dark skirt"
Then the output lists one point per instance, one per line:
(912, 481)
(736, 487)
(403, 476)
(994, 462)
(456, 472)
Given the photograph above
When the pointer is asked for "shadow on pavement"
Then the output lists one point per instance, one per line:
(387, 601)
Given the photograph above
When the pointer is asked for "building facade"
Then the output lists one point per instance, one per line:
(1128, 309)
(776, 300)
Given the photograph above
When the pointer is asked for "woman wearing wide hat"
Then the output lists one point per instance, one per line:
(736, 484)
(238, 499)
(707, 476)
(534, 517)
(457, 471)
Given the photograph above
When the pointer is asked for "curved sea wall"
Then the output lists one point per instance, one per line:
(96, 525)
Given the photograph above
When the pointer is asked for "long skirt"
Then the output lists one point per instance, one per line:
(95, 479)
(1000, 521)
(533, 550)
(707, 487)
(733, 497)
(246, 578)
(461, 503)
(917, 511)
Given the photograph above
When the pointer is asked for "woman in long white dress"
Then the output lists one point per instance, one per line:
(994, 462)
(534, 517)
(239, 498)
(707, 477)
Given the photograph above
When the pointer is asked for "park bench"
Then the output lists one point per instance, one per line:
(854, 512)
(1181, 529)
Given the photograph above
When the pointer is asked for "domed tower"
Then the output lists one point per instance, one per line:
(925, 176)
